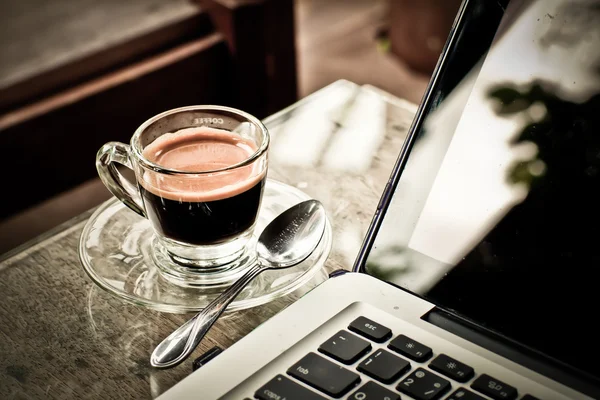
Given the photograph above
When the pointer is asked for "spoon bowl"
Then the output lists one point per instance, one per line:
(291, 237)
(287, 241)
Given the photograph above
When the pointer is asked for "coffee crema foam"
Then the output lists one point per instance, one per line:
(200, 150)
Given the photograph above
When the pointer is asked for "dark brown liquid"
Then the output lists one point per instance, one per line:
(202, 209)
(203, 223)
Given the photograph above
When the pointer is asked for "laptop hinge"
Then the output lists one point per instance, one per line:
(551, 368)
(337, 272)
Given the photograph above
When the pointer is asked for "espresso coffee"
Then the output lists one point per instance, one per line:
(197, 208)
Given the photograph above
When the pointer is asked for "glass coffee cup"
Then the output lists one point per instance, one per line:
(200, 174)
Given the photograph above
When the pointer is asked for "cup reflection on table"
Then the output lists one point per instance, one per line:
(200, 175)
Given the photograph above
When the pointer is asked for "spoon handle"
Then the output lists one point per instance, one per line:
(178, 345)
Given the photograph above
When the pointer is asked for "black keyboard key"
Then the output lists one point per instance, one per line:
(494, 388)
(410, 348)
(324, 375)
(373, 391)
(345, 347)
(281, 387)
(529, 397)
(451, 368)
(370, 329)
(464, 394)
(424, 385)
(384, 366)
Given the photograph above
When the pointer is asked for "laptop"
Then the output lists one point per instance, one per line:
(478, 278)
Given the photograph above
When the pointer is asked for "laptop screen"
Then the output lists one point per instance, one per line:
(496, 215)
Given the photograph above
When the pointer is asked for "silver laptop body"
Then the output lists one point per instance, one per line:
(435, 291)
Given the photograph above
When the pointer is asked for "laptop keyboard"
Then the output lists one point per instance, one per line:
(413, 369)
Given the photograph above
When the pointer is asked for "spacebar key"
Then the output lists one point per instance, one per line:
(324, 375)
(281, 387)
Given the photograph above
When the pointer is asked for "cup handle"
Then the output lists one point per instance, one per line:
(114, 181)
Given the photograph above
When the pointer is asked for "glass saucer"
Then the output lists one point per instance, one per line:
(115, 249)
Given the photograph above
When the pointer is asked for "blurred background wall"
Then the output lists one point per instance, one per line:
(77, 73)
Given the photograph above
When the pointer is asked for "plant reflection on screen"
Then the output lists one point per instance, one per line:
(389, 264)
(568, 127)
(561, 136)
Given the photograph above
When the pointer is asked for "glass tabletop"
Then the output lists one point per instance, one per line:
(63, 337)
